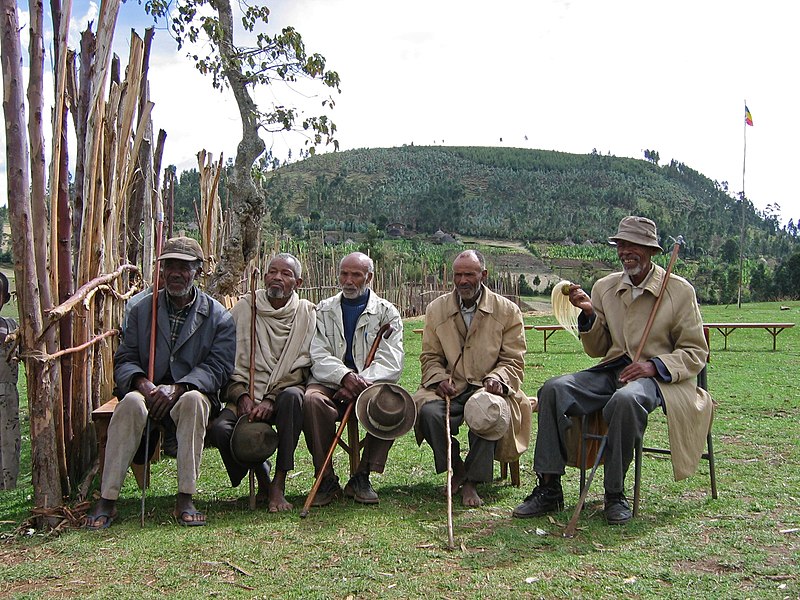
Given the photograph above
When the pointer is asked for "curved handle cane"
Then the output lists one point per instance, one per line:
(384, 332)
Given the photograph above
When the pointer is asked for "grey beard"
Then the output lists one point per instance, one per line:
(276, 293)
(352, 295)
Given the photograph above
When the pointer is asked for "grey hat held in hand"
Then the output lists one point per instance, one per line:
(386, 410)
(253, 443)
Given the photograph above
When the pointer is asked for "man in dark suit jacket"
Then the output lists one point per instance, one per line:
(194, 357)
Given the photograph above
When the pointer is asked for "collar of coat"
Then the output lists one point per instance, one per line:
(652, 282)
(335, 303)
(486, 303)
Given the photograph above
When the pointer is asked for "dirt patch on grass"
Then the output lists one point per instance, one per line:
(706, 565)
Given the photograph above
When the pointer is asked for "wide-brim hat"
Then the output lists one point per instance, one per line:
(637, 230)
(386, 410)
(253, 443)
(182, 248)
(487, 415)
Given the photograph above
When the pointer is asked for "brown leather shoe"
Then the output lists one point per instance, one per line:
(328, 491)
(360, 489)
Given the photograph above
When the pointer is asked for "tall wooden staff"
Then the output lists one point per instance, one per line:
(449, 485)
(569, 531)
(252, 388)
(384, 332)
(151, 362)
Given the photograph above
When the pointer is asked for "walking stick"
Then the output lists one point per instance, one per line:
(151, 363)
(384, 332)
(252, 388)
(569, 531)
(449, 485)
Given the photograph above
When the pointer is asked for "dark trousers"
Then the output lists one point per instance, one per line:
(320, 414)
(287, 418)
(479, 463)
(625, 410)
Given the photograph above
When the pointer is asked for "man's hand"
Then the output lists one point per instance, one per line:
(493, 386)
(262, 411)
(445, 388)
(245, 405)
(355, 383)
(581, 299)
(637, 370)
(163, 398)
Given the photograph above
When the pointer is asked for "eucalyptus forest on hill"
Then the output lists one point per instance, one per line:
(555, 204)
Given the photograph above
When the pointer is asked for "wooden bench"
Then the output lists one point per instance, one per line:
(728, 328)
(527, 328)
(547, 331)
(724, 328)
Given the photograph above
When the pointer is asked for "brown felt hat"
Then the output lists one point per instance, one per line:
(253, 443)
(637, 230)
(386, 410)
(182, 248)
(487, 415)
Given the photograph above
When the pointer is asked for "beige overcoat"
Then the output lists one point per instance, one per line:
(676, 338)
(494, 346)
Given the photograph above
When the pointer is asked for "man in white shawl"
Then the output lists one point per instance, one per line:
(285, 325)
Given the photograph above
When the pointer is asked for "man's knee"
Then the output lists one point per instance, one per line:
(314, 400)
(132, 405)
(193, 404)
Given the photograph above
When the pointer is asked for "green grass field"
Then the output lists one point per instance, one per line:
(684, 544)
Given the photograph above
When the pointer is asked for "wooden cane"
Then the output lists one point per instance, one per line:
(449, 485)
(384, 332)
(569, 530)
(252, 388)
(151, 362)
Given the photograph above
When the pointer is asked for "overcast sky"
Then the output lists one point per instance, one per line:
(619, 76)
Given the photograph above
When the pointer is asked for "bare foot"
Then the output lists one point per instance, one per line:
(277, 489)
(469, 495)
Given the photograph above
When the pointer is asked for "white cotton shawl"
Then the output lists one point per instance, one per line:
(283, 338)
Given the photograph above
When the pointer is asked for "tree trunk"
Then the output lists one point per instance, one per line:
(46, 489)
(249, 205)
(81, 121)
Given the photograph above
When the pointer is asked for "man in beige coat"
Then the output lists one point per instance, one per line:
(473, 350)
(611, 324)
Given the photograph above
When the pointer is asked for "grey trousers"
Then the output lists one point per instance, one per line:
(320, 413)
(479, 463)
(287, 417)
(625, 410)
(190, 415)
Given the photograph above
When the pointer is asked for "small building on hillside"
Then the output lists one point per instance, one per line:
(395, 230)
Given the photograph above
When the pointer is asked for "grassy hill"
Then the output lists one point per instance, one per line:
(516, 194)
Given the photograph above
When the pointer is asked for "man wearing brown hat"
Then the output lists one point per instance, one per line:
(194, 355)
(284, 327)
(473, 350)
(611, 324)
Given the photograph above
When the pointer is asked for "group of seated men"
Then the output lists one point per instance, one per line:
(309, 363)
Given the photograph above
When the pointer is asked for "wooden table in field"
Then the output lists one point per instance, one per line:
(724, 328)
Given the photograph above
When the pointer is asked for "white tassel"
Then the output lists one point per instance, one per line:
(565, 313)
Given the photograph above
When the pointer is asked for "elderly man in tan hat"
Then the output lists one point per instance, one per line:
(194, 354)
(284, 326)
(473, 350)
(611, 324)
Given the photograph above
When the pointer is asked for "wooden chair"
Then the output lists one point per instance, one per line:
(587, 440)
(353, 445)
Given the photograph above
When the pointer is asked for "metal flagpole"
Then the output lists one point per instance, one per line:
(741, 200)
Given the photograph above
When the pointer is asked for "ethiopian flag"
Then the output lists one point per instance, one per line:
(748, 118)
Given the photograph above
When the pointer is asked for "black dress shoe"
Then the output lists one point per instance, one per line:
(360, 489)
(545, 498)
(617, 510)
